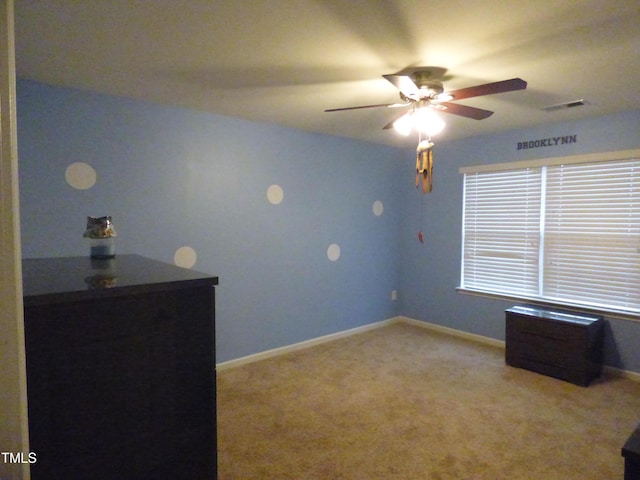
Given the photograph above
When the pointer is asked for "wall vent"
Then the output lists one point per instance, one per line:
(562, 106)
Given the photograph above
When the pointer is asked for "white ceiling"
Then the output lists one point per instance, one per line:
(286, 61)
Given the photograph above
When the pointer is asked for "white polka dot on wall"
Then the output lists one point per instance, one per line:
(80, 175)
(275, 194)
(378, 208)
(185, 257)
(333, 252)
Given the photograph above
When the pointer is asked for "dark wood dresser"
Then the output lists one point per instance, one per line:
(120, 369)
(631, 454)
(561, 344)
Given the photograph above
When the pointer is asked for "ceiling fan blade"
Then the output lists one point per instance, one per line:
(465, 111)
(404, 84)
(390, 105)
(489, 89)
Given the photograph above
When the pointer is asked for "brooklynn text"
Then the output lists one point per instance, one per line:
(548, 142)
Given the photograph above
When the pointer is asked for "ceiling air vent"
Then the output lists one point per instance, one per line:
(562, 106)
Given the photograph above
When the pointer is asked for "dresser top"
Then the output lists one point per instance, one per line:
(62, 279)
(554, 314)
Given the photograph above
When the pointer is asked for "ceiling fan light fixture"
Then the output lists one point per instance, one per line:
(428, 122)
(404, 124)
(422, 120)
(443, 97)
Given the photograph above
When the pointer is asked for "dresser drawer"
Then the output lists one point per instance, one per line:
(541, 333)
(581, 375)
(549, 356)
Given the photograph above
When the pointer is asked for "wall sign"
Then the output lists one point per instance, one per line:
(547, 142)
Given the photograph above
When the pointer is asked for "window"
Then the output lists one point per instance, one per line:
(564, 230)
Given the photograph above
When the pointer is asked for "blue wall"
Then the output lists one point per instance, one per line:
(172, 178)
(430, 273)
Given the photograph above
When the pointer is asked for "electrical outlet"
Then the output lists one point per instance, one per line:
(394, 294)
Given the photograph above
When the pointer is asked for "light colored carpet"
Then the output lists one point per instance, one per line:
(402, 402)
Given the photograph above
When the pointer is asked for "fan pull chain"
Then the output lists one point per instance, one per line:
(420, 234)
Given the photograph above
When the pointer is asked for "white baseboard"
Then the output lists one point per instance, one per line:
(453, 332)
(616, 372)
(301, 345)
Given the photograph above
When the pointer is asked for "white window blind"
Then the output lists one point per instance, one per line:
(592, 234)
(502, 231)
(568, 233)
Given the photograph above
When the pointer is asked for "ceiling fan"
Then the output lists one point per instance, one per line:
(419, 88)
(423, 93)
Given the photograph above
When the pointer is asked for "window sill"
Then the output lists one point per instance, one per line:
(609, 313)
